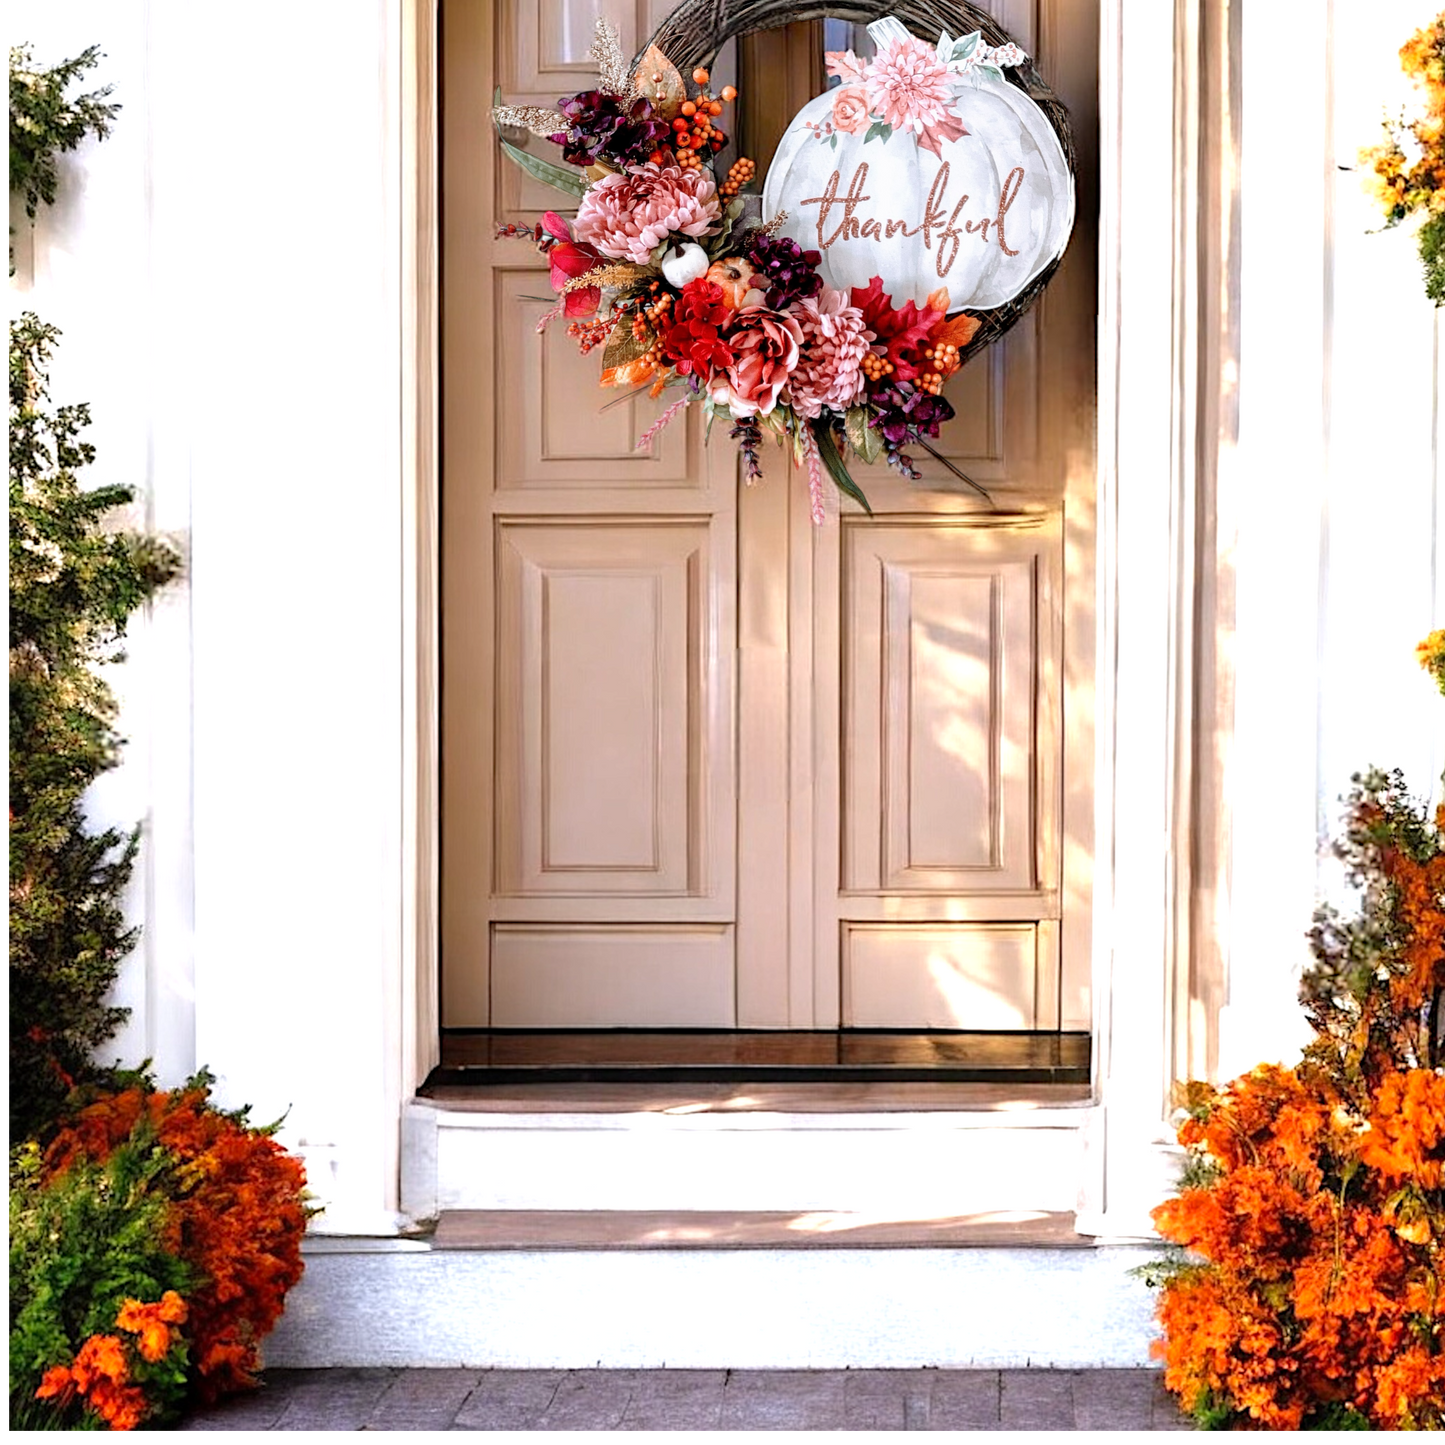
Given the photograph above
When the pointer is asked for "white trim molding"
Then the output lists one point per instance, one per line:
(1149, 502)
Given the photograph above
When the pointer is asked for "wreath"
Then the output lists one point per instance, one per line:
(826, 309)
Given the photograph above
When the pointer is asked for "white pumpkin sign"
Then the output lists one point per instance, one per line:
(927, 168)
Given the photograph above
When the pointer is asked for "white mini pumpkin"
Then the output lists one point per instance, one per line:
(1009, 166)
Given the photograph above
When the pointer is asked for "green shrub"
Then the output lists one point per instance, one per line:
(44, 121)
(73, 584)
(81, 1244)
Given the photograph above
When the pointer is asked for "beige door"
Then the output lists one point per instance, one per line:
(705, 764)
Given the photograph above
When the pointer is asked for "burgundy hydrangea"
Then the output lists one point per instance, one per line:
(788, 271)
(598, 126)
(902, 414)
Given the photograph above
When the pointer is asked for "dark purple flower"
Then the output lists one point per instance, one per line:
(749, 437)
(785, 269)
(903, 413)
(598, 126)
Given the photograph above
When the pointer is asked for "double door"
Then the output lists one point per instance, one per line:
(707, 764)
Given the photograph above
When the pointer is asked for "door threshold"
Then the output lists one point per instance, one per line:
(843, 1056)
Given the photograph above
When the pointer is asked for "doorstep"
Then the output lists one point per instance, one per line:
(895, 1150)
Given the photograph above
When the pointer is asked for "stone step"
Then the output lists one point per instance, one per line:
(902, 1152)
(410, 1303)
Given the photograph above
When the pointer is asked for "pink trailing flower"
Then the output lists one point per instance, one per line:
(836, 338)
(815, 476)
(646, 439)
(910, 88)
(628, 215)
(765, 346)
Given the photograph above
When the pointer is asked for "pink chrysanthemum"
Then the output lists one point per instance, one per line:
(829, 372)
(627, 216)
(909, 86)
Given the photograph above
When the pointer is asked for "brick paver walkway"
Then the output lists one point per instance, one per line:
(397, 1399)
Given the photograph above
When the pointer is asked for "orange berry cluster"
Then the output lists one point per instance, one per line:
(876, 367)
(944, 361)
(739, 174)
(650, 316)
(645, 367)
(588, 334)
(944, 358)
(693, 133)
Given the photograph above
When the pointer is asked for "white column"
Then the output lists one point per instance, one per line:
(1143, 586)
(294, 342)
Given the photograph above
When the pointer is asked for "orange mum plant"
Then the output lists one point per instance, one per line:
(157, 1237)
(1307, 1292)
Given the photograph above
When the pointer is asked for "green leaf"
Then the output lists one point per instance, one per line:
(992, 70)
(866, 442)
(965, 45)
(879, 130)
(716, 244)
(833, 141)
(563, 178)
(828, 451)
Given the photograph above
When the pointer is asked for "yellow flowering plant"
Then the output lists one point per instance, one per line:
(1407, 168)
(1431, 652)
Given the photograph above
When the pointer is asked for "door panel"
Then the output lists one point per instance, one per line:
(587, 594)
(557, 435)
(975, 976)
(939, 721)
(626, 976)
(601, 724)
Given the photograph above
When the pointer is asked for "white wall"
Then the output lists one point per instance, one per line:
(226, 269)
(1332, 493)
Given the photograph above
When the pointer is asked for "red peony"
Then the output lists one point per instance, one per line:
(692, 342)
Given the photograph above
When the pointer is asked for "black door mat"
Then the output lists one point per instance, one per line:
(500, 1056)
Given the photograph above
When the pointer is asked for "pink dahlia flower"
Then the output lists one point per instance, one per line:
(628, 215)
(909, 86)
(829, 372)
(765, 345)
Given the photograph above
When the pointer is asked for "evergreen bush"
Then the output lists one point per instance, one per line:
(73, 585)
(44, 121)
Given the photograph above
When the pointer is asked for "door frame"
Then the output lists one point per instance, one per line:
(1152, 476)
